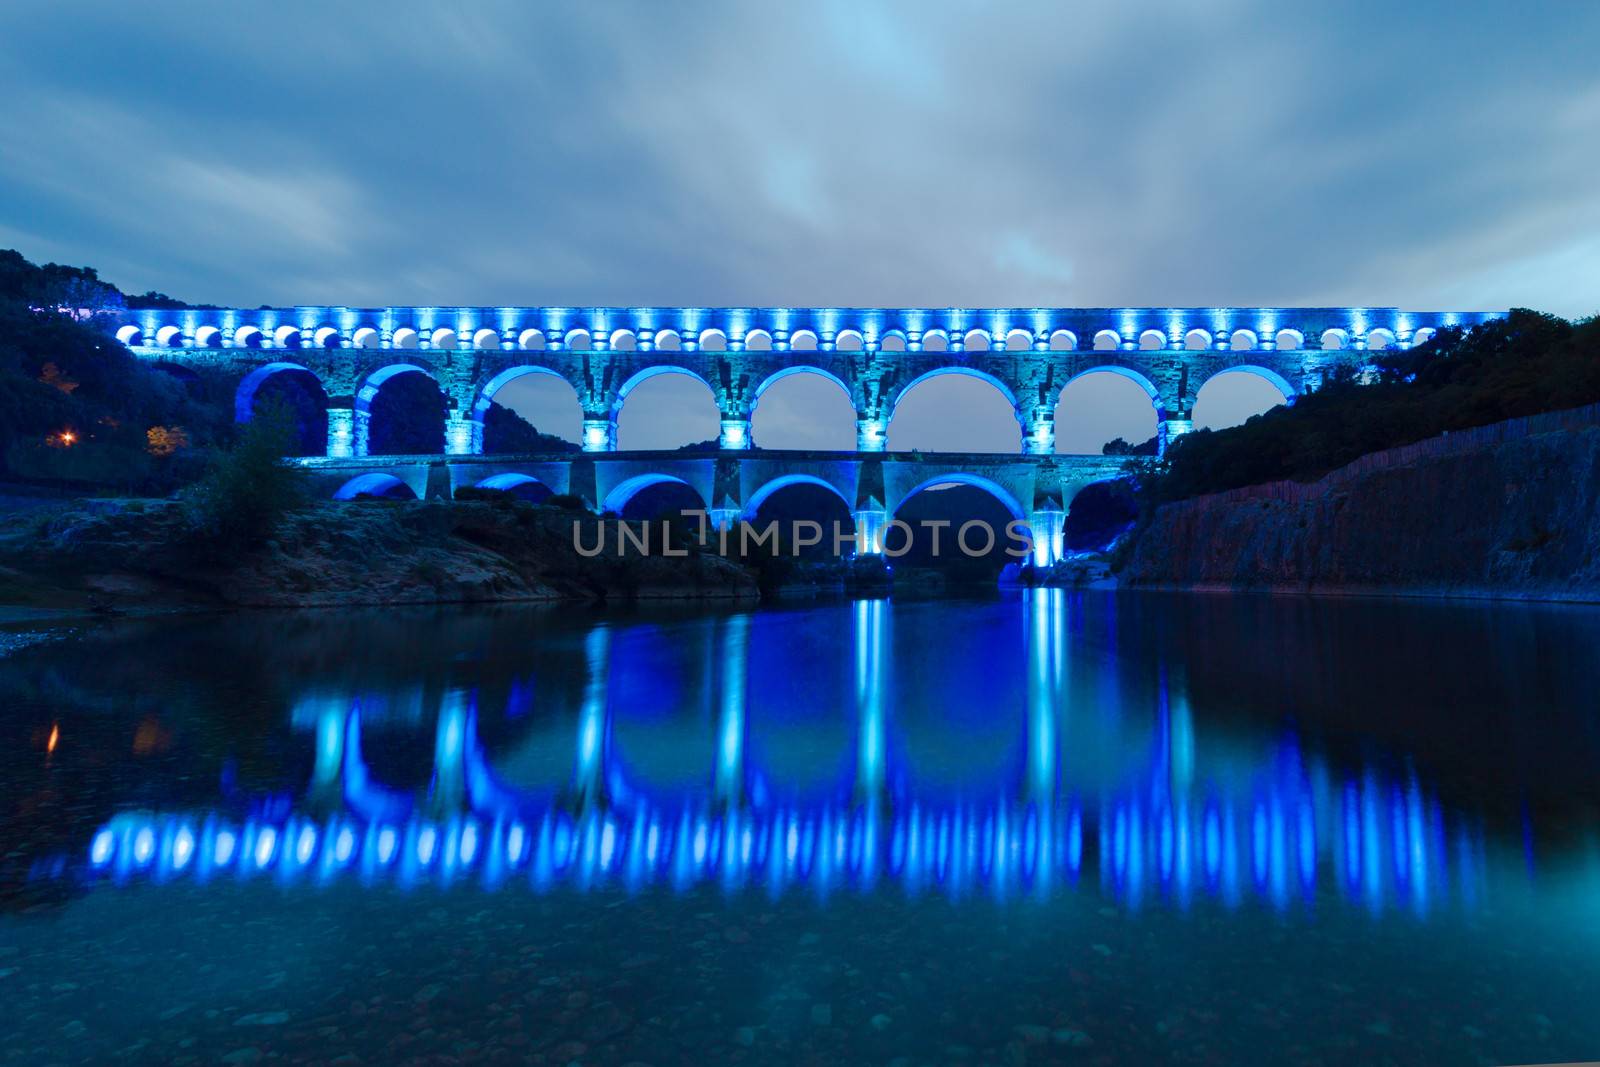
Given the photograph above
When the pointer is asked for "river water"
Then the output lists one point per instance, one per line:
(1044, 827)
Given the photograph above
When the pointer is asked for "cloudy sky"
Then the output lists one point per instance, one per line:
(838, 152)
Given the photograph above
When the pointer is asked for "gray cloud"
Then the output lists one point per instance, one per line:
(844, 152)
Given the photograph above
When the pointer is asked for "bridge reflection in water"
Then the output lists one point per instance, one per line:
(1176, 822)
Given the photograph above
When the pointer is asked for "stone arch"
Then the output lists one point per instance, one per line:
(758, 341)
(976, 341)
(525, 486)
(1197, 340)
(486, 394)
(935, 340)
(1289, 340)
(368, 392)
(531, 340)
(1243, 341)
(486, 339)
(1107, 341)
(1019, 341)
(893, 341)
(326, 337)
(443, 338)
(1117, 412)
(302, 394)
(1335, 339)
(1152, 341)
(169, 337)
(375, 483)
(803, 341)
(1063, 341)
(816, 425)
(969, 372)
(617, 499)
(366, 337)
(1281, 392)
(208, 337)
(647, 373)
(848, 341)
(1380, 339)
(713, 340)
(286, 336)
(667, 341)
(799, 368)
(1423, 336)
(244, 397)
(623, 341)
(578, 340)
(130, 335)
(978, 481)
(247, 337)
(759, 497)
(404, 337)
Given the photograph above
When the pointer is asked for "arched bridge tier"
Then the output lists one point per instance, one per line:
(875, 354)
(731, 485)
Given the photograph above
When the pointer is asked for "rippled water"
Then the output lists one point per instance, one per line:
(1049, 827)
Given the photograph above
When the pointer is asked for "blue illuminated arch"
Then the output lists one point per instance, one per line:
(995, 489)
(620, 494)
(244, 398)
(375, 483)
(374, 382)
(802, 368)
(507, 376)
(1129, 373)
(1278, 381)
(970, 372)
(647, 373)
(511, 480)
(760, 496)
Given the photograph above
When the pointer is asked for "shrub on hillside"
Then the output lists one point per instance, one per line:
(247, 489)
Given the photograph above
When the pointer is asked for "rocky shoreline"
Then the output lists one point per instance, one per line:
(137, 556)
(1509, 513)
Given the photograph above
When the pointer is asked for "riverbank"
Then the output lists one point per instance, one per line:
(1506, 511)
(139, 556)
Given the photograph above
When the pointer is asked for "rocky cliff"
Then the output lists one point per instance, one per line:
(138, 555)
(1505, 511)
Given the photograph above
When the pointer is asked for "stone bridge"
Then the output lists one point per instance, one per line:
(875, 355)
(732, 485)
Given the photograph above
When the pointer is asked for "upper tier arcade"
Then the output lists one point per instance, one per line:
(874, 354)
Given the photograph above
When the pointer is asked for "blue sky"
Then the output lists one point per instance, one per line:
(1225, 152)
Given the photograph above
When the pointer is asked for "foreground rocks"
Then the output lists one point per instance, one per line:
(142, 555)
(1455, 516)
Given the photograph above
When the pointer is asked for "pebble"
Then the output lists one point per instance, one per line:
(262, 1018)
(881, 1021)
(249, 1054)
(744, 1036)
(822, 1014)
(1072, 1038)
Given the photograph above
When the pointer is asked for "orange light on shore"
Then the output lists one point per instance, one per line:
(62, 439)
(54, 738)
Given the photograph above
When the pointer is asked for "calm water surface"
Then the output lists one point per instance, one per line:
(1053, 827)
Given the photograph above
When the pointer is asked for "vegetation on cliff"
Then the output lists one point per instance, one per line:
(1523, 364)
(79, 412)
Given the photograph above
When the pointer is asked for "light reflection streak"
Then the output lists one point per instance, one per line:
(1180, 825)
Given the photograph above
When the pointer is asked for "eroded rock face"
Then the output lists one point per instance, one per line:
(1515, 519)
(140, 556)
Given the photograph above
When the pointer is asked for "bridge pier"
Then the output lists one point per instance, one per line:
(1170, 430)
(341, 432)
(872, 435)
(599, 434)
(735, 434)
(463, 436)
